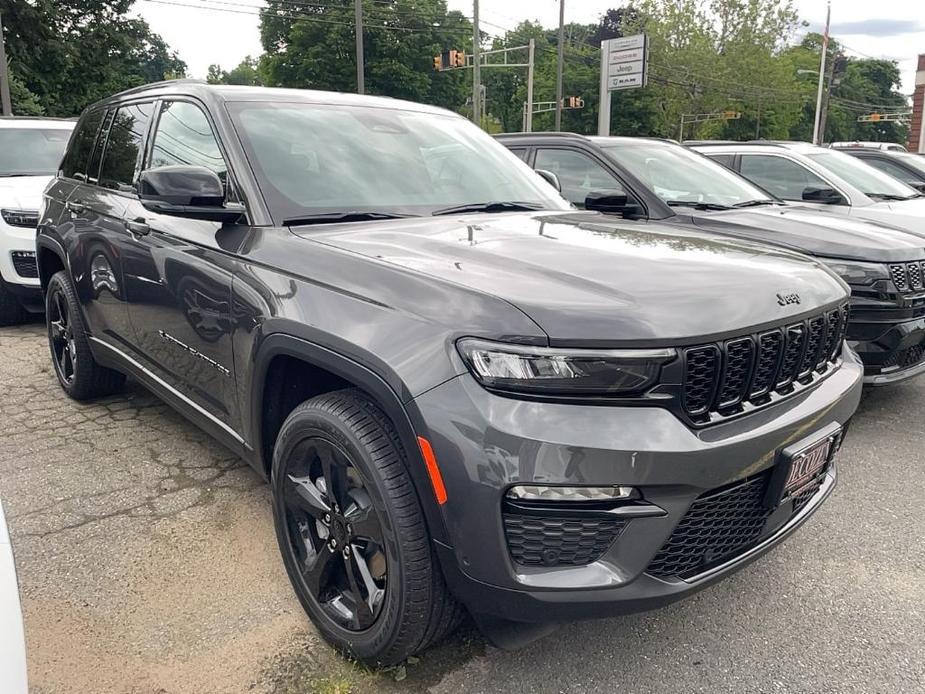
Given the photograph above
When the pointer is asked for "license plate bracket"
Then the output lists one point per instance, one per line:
(801, 463)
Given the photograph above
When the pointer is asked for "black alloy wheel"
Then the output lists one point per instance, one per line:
(335, 534)
(61, 338)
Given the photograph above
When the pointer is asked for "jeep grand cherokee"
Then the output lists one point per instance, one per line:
(462, 390)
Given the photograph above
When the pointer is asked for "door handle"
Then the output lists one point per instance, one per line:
(137, 226)
(75, 207)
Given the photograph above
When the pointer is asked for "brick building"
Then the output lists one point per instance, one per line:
(917, 131)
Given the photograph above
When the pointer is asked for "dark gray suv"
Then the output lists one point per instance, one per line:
(462, 390)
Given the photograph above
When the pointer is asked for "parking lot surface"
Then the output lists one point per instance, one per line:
(147, 563)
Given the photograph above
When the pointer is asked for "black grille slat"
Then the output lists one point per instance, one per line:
(898, 275)
(770, 351)
(739, 355)
(815, 336)
(542, 540)
(793, 352)
(914, 273)
(700, 378)
(724, 378)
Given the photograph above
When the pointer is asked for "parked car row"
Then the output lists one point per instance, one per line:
(465, 392)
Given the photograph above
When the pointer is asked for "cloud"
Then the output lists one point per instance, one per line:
(878, 27)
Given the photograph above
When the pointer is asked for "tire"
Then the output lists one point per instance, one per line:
(416, 609)
(79, 375)
(11, 311)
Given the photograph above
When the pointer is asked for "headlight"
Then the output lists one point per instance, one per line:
(553, 371)
(856, 272)
(20, 218)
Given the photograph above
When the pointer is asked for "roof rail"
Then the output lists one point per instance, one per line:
(153, 85)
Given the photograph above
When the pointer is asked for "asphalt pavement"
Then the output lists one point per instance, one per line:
(147, 564)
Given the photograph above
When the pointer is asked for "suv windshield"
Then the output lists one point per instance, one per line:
(679, 176)
(31, 151)
(314, 159)
(862, 176)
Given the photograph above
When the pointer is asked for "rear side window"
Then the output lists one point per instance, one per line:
(521, 153)
(75, 160)
(726, 160)
(123, 146)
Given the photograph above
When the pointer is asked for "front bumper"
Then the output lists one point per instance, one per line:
(891, 351)
(484, 443)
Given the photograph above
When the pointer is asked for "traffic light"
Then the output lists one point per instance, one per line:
(457, 59)
(731, 115)
(874, 117)
(573, 102)
(438, 63)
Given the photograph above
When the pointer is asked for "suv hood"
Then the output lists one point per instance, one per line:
(817, 232)
(589, 279)
(22, 192)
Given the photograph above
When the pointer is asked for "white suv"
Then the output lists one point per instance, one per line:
(30, 153)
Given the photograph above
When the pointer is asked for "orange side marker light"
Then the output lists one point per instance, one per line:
(436, 479)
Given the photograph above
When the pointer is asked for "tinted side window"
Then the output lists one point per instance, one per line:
(123, 145)
(726, 160)
(892, 169)
(93, 168)
(784, 178)
(521, 154)
(578, 174)
(78, 151)
(184, 137)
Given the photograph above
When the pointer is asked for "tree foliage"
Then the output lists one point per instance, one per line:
(66, 54)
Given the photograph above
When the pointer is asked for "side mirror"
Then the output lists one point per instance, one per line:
(186, 191)
(611, 202)
(550, 178)
(918, 185)
(824, 196)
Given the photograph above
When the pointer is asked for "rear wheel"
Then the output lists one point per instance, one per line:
(11, 311)
(352, 532)
(81, 377)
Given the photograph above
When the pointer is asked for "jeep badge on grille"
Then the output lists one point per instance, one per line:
(787, 298)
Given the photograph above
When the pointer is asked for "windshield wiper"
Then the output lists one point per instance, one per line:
(697, 205)
(756, 203)
(336, 217)
(890, 196)
(496, 206)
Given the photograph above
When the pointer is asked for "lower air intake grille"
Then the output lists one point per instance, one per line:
(24, 264)
(541, 540)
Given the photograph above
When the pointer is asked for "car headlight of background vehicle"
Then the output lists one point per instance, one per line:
(562, 371)
(20, 218)
(854, 272)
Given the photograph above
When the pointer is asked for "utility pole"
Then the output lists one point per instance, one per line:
(825, 48)
(6, 107)
(528, 117)
(561, 59)
(476, 64)
(361, 79)
(825, 103)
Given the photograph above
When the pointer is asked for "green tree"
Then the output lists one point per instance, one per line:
(69, 53)
(312, 46)
(246, 73)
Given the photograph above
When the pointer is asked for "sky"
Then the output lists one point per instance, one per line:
(225, 31)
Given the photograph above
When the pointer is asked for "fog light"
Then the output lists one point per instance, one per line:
(524, 492)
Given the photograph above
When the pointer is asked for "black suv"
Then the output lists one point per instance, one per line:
(462, 391)
(645, 178)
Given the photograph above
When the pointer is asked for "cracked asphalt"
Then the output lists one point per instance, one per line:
(147, 563)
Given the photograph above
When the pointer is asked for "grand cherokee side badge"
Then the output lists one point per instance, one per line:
(787, 298)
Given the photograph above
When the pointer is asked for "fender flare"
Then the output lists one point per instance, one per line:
(404, 416)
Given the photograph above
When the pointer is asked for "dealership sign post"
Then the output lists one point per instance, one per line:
(624, 65)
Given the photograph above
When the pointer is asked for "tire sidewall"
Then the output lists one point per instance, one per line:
(311, 422)
(56, 286)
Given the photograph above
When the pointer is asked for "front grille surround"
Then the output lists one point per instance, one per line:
(752, 370)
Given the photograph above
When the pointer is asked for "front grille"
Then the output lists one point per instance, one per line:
(546, 540)
(24, 264)
(722, 377)
(720, 525)
(908, 277)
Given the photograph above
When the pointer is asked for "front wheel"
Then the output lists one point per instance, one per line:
(79, 374)
(352, 532)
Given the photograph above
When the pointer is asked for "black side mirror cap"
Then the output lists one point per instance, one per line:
(611, 202)
(181, 185)
(550, 178)
(825, 196)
